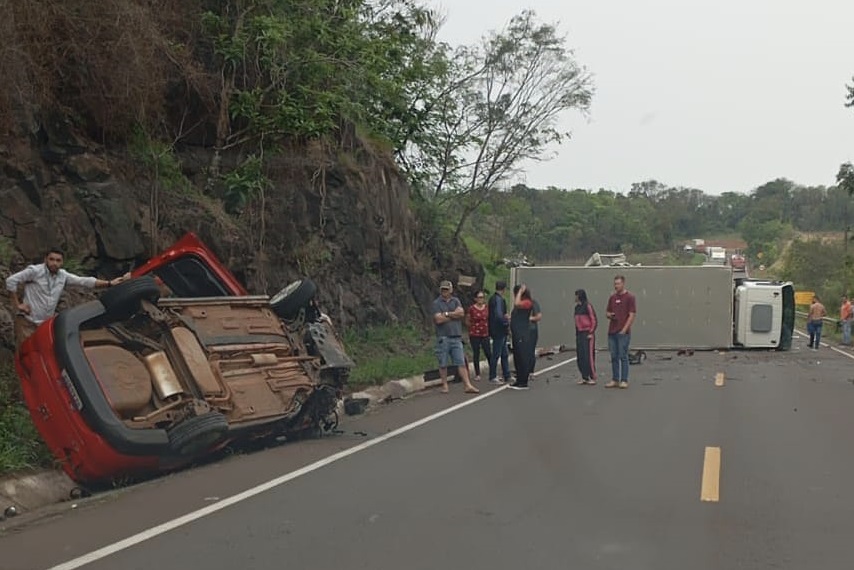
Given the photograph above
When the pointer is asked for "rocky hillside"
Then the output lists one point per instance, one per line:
(267, 128)
(341, 218)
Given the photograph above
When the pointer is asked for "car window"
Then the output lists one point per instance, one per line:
(189, 277)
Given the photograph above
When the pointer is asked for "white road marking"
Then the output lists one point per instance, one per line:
(163, 528)
(833, 348)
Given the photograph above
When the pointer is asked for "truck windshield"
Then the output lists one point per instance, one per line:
(788, 317)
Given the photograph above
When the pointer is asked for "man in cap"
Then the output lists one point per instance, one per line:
(448, 314)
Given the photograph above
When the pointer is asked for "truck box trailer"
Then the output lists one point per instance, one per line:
(701, 307)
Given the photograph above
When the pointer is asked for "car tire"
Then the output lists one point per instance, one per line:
(124, 299)
(197, 434)
(288, 302)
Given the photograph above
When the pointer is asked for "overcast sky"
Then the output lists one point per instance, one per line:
(719, 95)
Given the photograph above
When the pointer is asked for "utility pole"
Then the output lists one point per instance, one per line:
(847, 262)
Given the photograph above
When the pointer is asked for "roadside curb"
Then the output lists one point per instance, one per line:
(397, 389)
(27, 491)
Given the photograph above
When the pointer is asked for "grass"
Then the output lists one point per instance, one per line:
(392, 352)
(21, 446)
(388, 353)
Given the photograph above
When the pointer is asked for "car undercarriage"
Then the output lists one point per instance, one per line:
(208, 370)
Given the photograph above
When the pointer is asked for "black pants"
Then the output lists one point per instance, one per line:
(477, 343)
(522, 359)
(585, 350)
(533, 337)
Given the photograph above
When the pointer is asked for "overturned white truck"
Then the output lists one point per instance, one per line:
(701, 307)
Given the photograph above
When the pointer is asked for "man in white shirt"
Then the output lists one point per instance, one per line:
(43, 285)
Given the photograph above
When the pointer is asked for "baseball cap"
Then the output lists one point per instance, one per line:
(445, 285)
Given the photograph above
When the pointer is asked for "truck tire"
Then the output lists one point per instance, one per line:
(124, 299)
(288, 302)
(197, 434)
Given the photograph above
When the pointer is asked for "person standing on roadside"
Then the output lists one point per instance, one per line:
(815, 320)
(520, 331)
(585, 337)
(477, 322)
(448, 314)
(499, 320)
(536, 317)
(43, 285)
(620, 312)
(846, 314)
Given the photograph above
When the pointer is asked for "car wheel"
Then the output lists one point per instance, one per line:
(197, 434)
(124, 299)
(288, 302)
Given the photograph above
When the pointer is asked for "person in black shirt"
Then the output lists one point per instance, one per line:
(536, 317)
(499, 318)
(520, 331)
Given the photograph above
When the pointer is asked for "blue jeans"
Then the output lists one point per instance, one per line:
(618, 346)
(499, 349)
(846, 332)
(814, 330)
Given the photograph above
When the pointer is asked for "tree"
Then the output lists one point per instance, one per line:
(500, 109)
(849, 98)
(845, 177)
(649, 189)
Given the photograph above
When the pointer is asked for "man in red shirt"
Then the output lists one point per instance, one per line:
(845, 316)
(621, 314)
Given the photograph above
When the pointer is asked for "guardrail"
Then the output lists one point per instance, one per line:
(825, 319)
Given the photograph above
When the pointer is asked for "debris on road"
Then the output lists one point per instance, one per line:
(637, 357)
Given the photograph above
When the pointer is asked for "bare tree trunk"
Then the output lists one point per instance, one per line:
(223, 123)
(154, 208)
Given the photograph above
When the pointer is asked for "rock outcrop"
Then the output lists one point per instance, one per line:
(340, 216)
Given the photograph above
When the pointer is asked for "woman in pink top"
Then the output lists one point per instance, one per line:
(585, 337)
(477, 321)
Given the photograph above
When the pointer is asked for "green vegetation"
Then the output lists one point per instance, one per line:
(818, 265)
(254, 80)
(158, 160)
(388, 352)
(493, 268)
(7, 250)
(20, 445)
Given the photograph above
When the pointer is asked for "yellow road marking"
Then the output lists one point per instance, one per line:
(720, 379)
(710, 488)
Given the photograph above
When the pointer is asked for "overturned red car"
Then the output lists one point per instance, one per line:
(177, 363)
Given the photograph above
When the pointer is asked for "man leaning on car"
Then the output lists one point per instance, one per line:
(43, 284)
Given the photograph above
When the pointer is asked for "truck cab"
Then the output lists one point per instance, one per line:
(763, 314)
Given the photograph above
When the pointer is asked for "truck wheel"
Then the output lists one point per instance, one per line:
(197, 434)
(288, 302)
(124, 299)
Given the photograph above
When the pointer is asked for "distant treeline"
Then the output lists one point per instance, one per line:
(558, 225)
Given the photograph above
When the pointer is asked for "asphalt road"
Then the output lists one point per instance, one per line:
(561, 476)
